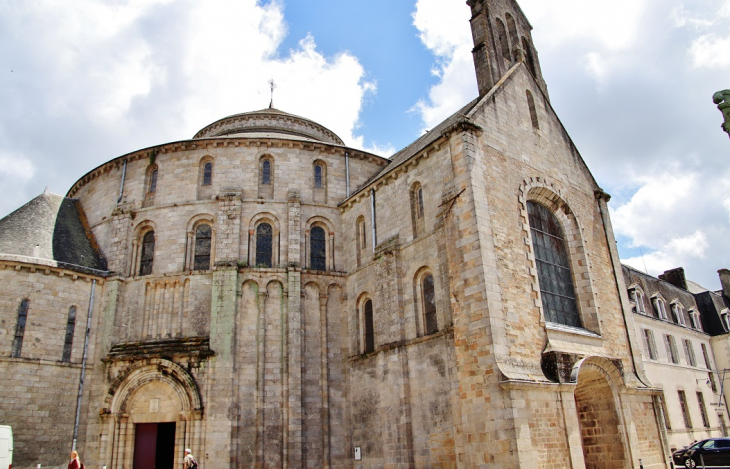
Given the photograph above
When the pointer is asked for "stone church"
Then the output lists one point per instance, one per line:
(269, 297)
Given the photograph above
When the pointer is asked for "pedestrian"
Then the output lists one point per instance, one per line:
(189, 462)
(75, 461)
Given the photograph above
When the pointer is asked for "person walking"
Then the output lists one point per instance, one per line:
(75, 462)
(189, 462)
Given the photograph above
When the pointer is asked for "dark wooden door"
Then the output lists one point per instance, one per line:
(145, 445)
(165, 458)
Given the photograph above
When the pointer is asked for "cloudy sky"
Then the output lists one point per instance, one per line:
(84, 81)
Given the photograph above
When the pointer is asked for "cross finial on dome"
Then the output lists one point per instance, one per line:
(272, 85)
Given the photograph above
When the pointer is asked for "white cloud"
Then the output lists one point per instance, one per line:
(711, 51)
(444, 29)
(92, 80)
(677, 252)
(614, 25)
(16, 167)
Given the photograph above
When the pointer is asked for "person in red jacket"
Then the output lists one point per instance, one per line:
(75, 463)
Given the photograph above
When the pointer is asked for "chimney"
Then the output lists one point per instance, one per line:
(677, 278)
(725, 281)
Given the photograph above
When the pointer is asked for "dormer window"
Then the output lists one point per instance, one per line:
(660, 307)
(694, 318)
(678, 313)
(725, 317)
(639, 301)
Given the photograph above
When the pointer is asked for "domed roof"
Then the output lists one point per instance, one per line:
(269, 123)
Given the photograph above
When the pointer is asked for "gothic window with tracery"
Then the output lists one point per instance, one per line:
(553, 267)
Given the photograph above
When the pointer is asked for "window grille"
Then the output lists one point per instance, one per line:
(553, 267)
(317, 247)
(148, 253)
(264, 245)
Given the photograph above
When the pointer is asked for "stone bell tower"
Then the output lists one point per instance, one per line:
(502, 38)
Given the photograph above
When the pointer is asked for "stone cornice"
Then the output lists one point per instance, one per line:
(223, 142)
(48, 267)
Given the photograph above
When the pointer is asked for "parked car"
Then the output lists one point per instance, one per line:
(712, 453)
(6, 447)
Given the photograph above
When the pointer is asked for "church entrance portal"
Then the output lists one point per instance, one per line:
(154, 445)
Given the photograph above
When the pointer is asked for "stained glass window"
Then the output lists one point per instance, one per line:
(20, 328)
(148, 253)
(317, 245)
(203, 237)
(369, 326)
(429, 305)
(264, 235)
(553, 267)
(68, 341)
(208, 174)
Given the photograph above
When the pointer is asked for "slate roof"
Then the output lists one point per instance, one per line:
(52, 228)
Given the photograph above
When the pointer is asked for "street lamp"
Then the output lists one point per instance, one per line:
(722, 99)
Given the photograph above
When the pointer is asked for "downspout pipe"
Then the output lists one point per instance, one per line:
(372, 218)
(121, 186)
(347, 172)
(83, 365)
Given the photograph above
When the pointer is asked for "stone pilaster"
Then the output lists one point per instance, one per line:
(294, 229)
(117, 253)
(228, 225)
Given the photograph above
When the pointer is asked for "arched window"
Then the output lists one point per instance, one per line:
(514, 38)
(533, 110)
(266, 172)
(553, 267)
(529, 56)
(203, 237)
(417, 210)
(360, 239)
(317, 248)
(639, 300)
(660, 307)
(69, 340)
(264, 245)
(208, 174)
(503, 41)
(429, 305)
(369, 327)
(152, 179)
(20, 328)
(318, 176)
(147, 256)
(678, 313)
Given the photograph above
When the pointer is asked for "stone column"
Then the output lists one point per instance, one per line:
(117, 254)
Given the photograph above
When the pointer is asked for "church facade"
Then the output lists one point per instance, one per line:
(268, 297)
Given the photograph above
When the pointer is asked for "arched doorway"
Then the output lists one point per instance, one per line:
(153, 413)
(600, 427)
